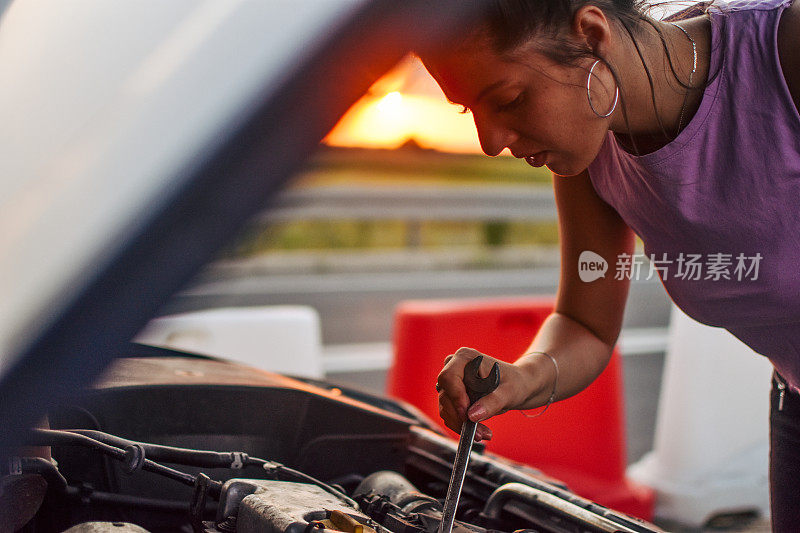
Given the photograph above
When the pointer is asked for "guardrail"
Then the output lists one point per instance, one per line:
(414, 203)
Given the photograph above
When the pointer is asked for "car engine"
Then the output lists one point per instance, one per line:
(141, 452)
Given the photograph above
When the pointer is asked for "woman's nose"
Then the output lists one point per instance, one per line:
(493, 136)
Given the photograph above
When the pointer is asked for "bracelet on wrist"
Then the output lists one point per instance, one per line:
(555, 386)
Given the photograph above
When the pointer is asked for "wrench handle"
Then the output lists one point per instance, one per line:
(478, 387)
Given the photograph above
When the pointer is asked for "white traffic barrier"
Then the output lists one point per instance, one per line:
(710, 455)
(283, 339)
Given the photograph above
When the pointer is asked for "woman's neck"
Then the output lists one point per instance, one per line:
(655, 108)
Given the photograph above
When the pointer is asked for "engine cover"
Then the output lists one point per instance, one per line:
(287, 507)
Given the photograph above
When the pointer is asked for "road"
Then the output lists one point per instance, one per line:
(359, 307)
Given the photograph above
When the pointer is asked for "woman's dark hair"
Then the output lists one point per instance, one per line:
(508, 24)
(511, 23)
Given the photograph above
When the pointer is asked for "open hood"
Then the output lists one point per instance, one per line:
(139, 137)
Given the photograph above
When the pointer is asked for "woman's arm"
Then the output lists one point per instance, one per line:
(580, 334)
(588, 315)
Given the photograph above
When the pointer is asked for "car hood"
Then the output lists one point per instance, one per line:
(104, 114)
(140, 137)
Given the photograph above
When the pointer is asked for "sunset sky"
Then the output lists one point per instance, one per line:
(406, 103)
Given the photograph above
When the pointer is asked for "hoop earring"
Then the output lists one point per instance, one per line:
(589, 94)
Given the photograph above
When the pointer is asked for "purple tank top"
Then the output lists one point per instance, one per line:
(718, 208)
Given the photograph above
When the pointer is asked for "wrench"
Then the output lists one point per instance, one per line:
(477, 388)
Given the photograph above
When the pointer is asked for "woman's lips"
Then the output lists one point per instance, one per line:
(537, 159)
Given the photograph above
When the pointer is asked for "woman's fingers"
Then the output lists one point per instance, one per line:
(449, 414)
(482, 433)
(454, 422)
(454, 405)
(495, 403)
(451, 380)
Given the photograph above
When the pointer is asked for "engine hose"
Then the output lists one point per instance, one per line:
(210, 459)
(113, 446)
(45, 468)
(171, 454)
(289, 474)
(136, 502)
(130, 455)
(539, 499)
(398, 490)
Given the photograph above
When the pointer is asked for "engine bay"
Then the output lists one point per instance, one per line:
(148, 449)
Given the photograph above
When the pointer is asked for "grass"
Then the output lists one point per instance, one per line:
(343, 166)
(368, 235)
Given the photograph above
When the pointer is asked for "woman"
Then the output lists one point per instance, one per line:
(686, 133)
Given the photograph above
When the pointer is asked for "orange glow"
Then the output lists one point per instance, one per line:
(391, 106)
(406, 104)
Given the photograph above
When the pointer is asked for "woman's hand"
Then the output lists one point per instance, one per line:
(518, 385)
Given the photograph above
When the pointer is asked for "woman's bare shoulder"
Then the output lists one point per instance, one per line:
(789, 49)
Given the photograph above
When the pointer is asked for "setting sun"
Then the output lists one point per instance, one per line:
(406, 104)
(391, 105)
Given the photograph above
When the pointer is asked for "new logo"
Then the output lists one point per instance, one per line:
(591, 266)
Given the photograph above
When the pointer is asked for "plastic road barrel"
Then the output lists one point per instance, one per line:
(580, 441)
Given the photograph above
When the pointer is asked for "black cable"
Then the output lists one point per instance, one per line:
(50, 437)
(112, 483)
(290, 474)
(96, 496)
(210, 459)
(120, 449)
(171, 454)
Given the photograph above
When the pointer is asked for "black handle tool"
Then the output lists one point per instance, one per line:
(477, 388)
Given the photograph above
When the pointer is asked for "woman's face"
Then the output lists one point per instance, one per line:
(533, 106)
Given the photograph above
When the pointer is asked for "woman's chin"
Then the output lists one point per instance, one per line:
(565, 169)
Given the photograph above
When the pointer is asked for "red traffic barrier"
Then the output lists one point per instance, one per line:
(580, 441)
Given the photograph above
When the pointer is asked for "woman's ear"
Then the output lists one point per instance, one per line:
(590, 26)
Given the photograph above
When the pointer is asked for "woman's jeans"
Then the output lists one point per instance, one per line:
(784, 457)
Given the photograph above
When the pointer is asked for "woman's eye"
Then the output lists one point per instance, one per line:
(512, 104)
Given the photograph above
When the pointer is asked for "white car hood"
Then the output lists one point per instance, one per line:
(100, 110)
